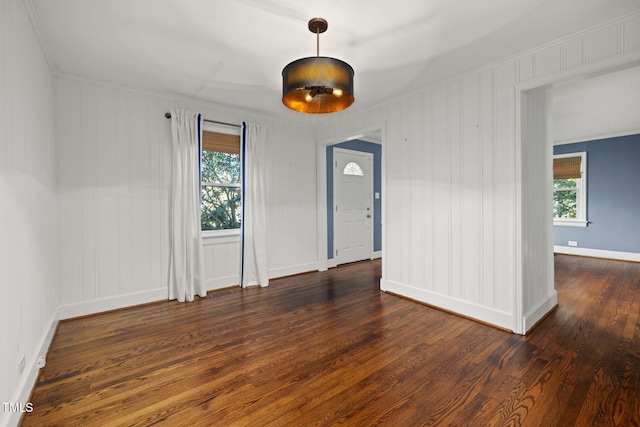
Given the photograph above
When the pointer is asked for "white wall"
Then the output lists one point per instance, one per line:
(115, 171)
(114, 187)
(538, 295)
(456, 233)
(28, 213)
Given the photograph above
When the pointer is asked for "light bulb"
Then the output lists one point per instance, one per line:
(308, 98)
(337, 92)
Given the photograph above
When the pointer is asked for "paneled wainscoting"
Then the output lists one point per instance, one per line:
(329, 348)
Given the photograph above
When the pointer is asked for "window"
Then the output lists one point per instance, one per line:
(569, 189)
(352, 169)
(220, 178)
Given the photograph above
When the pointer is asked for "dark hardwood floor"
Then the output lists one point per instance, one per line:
(325, 349)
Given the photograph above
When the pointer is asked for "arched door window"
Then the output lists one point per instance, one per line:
(353, 168)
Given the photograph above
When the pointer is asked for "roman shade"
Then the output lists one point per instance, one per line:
(221, 142)
(567, 167)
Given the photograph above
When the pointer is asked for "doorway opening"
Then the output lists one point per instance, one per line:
(536, 265)
(347, 231)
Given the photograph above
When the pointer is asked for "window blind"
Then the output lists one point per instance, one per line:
(222, 142)
(567, 167)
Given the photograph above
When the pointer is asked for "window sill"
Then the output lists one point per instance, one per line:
(220, 236)
(570, 222)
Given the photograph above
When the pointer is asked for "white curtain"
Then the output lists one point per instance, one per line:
(254, 230)
(186, 268)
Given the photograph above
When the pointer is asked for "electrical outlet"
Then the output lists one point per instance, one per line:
(41, 362)
(21, 365)
(573, 243)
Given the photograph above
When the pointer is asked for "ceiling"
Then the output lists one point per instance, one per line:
(232, 52)
(598, 107)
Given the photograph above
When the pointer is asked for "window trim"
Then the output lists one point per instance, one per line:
(581, 194)
(230, 130)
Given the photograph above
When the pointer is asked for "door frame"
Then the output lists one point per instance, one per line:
(369, 157)
(321, 190)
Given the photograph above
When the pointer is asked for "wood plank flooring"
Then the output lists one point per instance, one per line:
(324, 349)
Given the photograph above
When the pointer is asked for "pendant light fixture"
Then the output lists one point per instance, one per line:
(317, 84)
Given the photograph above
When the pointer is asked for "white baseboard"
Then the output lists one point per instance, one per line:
(376, 255)
(323, 264)
(223, 282)
(481, 313)
(537, 313)
(597, 253)
(293, 269)
(69, 311)
(30, 375)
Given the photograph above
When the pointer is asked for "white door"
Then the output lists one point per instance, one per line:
(353, 205)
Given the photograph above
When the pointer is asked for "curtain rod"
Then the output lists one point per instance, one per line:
(168, 116)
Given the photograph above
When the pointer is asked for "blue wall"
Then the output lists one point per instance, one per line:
(613, 195)
(367, 147)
